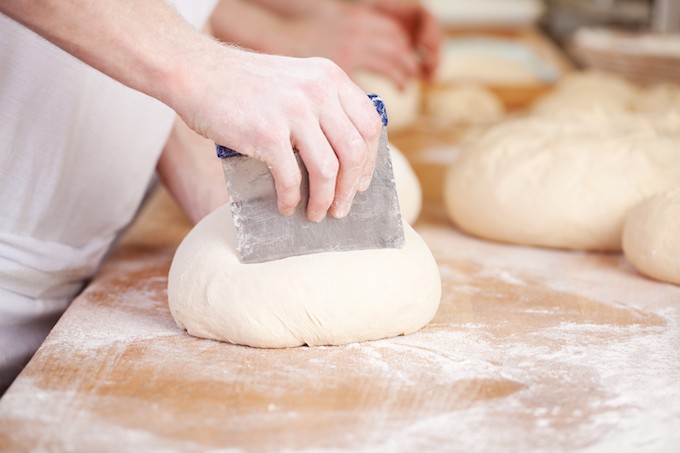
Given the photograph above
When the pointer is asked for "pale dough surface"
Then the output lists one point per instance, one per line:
(403, 106)
(563, 181)
(485, 69)
(659, 98)
(319, 299)
(465, 103)
(588, 90)
(409, 191)
(651, 237)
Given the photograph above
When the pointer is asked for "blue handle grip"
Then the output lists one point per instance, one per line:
(224, 152)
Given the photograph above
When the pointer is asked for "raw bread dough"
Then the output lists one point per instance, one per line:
(566, 181)
(485, 13)
(464, 103)
(403, 106)
(651, 237)
(660, 98)
(588, 90)
(319, 299)
(488, 69)
(409, 192)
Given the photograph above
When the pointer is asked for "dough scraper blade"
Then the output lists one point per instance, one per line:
(263, 234)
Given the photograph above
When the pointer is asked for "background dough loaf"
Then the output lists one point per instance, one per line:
(565, 181)
(409, 192)
(403, 106)
(651, 237)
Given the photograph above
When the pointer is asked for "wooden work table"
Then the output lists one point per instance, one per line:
(531, 350)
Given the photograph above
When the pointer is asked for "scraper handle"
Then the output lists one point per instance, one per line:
(224, 152)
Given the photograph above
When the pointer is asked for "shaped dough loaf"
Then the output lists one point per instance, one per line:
(403, 106)
(564, 181)
(651, 237)
(320, 299)
(409, 192)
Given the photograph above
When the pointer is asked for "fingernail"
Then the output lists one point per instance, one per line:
(340, 211)
(317, 217)
(287, 212)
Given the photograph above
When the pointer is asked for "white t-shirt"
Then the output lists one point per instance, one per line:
(77, 152)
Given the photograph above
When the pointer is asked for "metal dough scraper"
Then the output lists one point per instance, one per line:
(263, 234)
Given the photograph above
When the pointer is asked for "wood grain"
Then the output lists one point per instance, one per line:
(531, 350)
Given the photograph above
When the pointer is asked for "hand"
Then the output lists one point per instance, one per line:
(355, 37)
(263, 106)
(192, 174)
(424, 30)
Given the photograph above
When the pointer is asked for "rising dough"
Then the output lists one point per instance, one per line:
(564, 182)
(651, 237)
(659, 98)
(588, 90)
(465, 103)
(409, 192)
(319, 299)
(403, 106)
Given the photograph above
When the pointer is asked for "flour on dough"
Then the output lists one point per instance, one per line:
(318, 299)
(651, 237)
(409, 192)
(565, 181)
(403, 106)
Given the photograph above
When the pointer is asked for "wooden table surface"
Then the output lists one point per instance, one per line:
(531, 350)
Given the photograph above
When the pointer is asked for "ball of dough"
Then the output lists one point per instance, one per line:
(588, 90)
(403, 106)
(660, 98)
(409, 192)
(564, 182)
(490, 69)
(320, 299)
(651, 237)
(465, 103)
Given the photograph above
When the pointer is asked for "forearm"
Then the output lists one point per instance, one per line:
(191, 172)
(248, 25)
(293, 8)
(145, 45)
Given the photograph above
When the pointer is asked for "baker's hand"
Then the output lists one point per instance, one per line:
(264, 106)
(354, 36)
(424, 30)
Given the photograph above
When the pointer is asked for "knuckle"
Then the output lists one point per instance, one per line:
(355, 155)
(327, 68)
(290, 181)
(327, 170)
(288, 198)
(372, 129)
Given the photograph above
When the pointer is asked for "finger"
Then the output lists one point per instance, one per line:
(351, 151)
(430, 39)
(369, 168)
(322, 166)
(363, 115)
(393, 69)
(287, 177)
(401, 58)
(386, 69)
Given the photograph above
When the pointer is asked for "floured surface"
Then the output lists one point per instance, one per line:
(531, 350)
